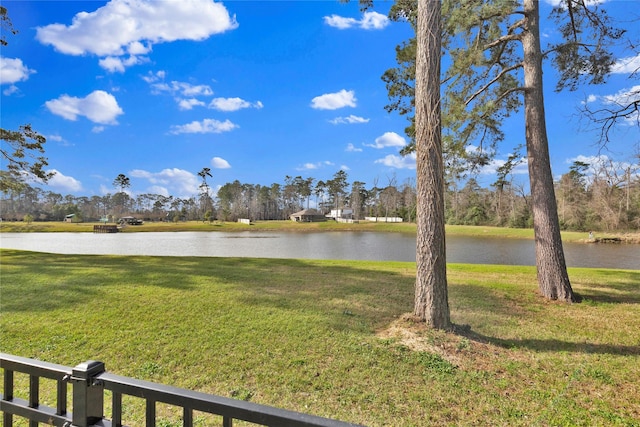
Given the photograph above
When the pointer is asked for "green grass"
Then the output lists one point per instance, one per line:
(213, 226)
(333, 338)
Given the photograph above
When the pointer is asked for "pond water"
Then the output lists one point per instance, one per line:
(323, 245)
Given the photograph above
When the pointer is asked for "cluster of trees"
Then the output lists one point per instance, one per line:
(608, 200)
(233, 200)
(589, 197)
(496, 59)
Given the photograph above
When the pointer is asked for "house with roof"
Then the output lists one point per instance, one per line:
(307, 215)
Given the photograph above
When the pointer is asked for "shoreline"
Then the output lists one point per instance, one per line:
(622, 237)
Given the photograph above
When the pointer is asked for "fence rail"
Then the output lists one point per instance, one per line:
(89, 381)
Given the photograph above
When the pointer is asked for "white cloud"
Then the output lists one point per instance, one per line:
(204, 126)
(314, 166)
(188, 104)
(154, 77)
(192, 90)
(600, 162)
(621, 99)
(182, 88)
(557, 3)
(130, 28)
(174, 181)
(388, 139)
(340, 22)
(370, 21)
(60, 140)
(603, 166)
(399, 162)
(189, 92)
(492, 167)
(63, 182)
(220, 163)
(99, 107)
(12, 70)
(590, 160)
(113, 63)
(233, 104)
(591, 98)
(628, 65)
(373, 21)
(351, 119)
(137, 48)
(352, 148)
(158, 189)
(11, 90)
(333, 101)
(185, 94)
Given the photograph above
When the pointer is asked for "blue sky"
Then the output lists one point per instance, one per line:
(254, 90)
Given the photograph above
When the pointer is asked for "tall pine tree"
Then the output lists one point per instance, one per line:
(494, 50)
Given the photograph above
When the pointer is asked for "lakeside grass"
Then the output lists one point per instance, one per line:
(212, 226)
(290, 226)
(332, 338)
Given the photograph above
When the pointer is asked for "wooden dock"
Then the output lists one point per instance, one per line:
(105, 228)
(608, 240)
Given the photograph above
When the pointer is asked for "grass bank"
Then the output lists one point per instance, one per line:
(332, 337)
(290, 226)
(213, 226)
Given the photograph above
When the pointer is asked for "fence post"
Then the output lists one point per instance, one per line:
(88, 394)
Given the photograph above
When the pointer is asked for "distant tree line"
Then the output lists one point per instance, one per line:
(589, 197)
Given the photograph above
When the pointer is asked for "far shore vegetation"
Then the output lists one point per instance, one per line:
(291, 226)
(333, 338)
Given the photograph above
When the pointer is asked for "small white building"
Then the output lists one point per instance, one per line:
(345, 213)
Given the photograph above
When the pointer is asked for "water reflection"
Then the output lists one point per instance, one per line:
(324, 245)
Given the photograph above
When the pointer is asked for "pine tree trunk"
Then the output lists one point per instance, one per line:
(431, 299)
(553, 279)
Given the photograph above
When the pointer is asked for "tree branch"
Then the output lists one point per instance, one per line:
(492, 81)
(608, 117)
(503, 39)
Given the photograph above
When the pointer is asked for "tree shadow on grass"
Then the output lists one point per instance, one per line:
(343, 294)
(625, 291)
(59, 281)
(548, 345)
(34, 281)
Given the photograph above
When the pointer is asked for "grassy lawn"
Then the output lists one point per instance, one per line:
(333, 338)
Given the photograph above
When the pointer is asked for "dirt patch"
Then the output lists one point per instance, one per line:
(459, 347)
